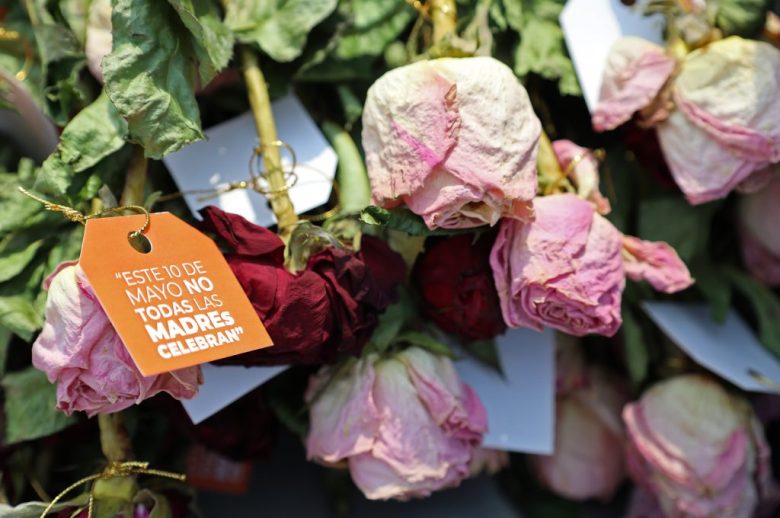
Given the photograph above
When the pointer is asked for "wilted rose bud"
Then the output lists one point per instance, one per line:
(759, 214)
(698, 449)
(655, 262)
(406, 425)
(80, 351)
(634, 75)
(588, 461)
(582, 168)
(563, 269)
(459, 296)
(726, 125)
(454, 139)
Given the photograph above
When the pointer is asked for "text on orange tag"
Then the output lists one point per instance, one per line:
(176, 306)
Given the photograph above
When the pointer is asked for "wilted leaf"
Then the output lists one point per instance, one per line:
(151, 75)
(672, 219)
(213, 40)
(30, 406)
(742, 17)
(278, 27)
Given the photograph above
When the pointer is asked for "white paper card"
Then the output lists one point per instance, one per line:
(730, 349)
(590, 27)
(521, 405)
(224, 158)
(223, 385)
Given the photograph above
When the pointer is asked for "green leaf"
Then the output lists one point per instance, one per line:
(13, 260)
(765, 304)
(391, 322)
(671, 219)
(30, 406)
(5, 341)
(213, 40)
(427, 342)
(34, 509)
(542, 49)
(151, 75)
(401, 218)
(96, 132)
(354, 189)
(18, 314)
(715, 287)
(637, 360)
(486, 353)
(742, 17)
(278, 27)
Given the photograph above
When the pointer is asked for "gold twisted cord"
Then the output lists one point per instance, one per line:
(78, 217)
(113, 470)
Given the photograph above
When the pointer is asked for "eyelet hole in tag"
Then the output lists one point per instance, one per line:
(139, 242)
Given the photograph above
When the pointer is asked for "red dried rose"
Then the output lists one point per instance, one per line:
(328, 309)
(456, 283)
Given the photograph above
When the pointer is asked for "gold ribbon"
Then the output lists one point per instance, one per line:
(113, 470)
(77, 217)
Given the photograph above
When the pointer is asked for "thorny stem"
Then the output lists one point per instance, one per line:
(266, 130)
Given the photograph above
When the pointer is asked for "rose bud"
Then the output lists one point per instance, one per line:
(727, 123)
(459, 295)
(588, 461)
(697, 448)
(563, 269)
(328, 309)
(583, 170)
(80, 351)
(758, 217)
(454, 139)
(634, 75)
(406, 425)
(656, 263)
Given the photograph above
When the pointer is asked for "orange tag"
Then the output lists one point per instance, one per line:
(176, 306)
(211, 471)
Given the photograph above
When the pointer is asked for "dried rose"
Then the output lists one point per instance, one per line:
(760, 233)
(697, 448)
(330, 308)
(453, 139)
(406, 425)
(80, 351)
(456, 285)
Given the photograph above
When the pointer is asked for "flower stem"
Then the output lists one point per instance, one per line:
(135, 181)
(354, 187)
(114, 440)
(266, 131)
(444, 15)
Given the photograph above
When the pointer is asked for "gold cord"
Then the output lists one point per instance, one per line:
(113, 470)
(78, 217)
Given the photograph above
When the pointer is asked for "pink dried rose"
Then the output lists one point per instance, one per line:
(562, 270)
(566, 269)
(588, 461)
(727, 122)
(656, 263)
(454, 139)
(406, 425)
(80, 351)
(582, 169)
(698, 449)
(634, 75)
(759, 215)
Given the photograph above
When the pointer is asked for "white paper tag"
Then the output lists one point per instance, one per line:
(223, 385)
(730, 349)
(225, 156)
(590, 27)
(521, 405)
(27, 127)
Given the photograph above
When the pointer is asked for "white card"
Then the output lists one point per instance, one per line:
(590, 27)
(225, 156)
(730, 349)
(27, 127)
(223, 385)
(520, 405)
